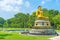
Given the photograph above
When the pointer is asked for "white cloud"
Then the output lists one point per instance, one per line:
(8, 5)
(2, 3)
(18, 2)
(7, 8)
(5, 5)
(27, 4)
(16, 9)
(43, 2)
(10, 8)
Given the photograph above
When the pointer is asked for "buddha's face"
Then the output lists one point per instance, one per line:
(39, 8)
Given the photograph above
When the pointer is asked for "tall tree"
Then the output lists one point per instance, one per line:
(1, 21)
(56, 21)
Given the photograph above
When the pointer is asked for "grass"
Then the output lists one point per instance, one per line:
(16, 28)
(22, 29)
(57, 30)
(18, 36)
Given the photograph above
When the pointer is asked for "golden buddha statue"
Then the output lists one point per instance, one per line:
(39, 12)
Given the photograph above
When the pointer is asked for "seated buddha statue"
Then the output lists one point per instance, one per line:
(39, 12)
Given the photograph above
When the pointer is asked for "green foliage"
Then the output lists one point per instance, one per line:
(56, 21)
(19, 20)
(5, 24)
(18, 36)
(31, 20)
(1, 21)
(26, 20)
(51, 14)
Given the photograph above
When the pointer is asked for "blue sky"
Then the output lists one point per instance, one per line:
(8, 8)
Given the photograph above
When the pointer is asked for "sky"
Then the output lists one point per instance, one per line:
(8, 8)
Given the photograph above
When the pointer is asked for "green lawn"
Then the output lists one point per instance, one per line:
(16, 28)
(22, 29)
(57, 30)
(17, 36)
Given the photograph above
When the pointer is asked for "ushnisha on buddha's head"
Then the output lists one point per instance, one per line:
(39, 8)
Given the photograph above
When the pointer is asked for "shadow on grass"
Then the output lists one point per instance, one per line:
(2, 36)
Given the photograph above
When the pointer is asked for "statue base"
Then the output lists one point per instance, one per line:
(42, 27)
(42, 32)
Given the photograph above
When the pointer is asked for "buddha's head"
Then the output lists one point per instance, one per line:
(39, 8)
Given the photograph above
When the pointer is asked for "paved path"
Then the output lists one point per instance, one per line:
(58, 33)
(55, 38)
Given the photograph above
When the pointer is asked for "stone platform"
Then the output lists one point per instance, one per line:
(42, 32)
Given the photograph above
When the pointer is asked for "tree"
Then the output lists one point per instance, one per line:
(5, 24)
(22, 20)
(1, 21)
(31, 20)
(19, 20)
(50, 13)
(56, 21)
